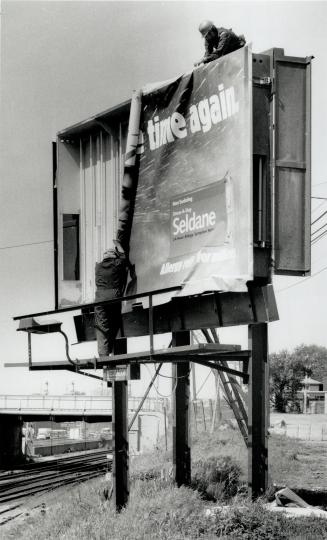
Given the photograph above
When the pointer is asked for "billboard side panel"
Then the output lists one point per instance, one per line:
(292, 166)
(69, 209)
(89, 175)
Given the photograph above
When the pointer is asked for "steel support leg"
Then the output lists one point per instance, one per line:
(29, 337)
(120, 464)
(258, 410)
(181, 444)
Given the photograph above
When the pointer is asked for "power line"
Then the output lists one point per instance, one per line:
(205, 380)
(318, 238)
(319, 229)
(315, 240)
(322, 198)
(303, 280)
(314, 210)
(318, 218)
(28, 244)
(320, 235)
(320, 184)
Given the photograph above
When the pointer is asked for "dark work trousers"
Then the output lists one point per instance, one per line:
(107, 320)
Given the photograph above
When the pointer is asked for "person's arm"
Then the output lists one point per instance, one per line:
(209, 55)
(208, 48)
(225, 38)
(206, 59)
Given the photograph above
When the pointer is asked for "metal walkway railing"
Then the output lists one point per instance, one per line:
(72, 403)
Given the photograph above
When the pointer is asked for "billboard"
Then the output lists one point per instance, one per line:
(192, 223)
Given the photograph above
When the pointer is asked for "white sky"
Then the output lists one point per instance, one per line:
(65, 61)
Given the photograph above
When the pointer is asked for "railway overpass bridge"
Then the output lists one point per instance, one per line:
(17, 409)
(65, 408)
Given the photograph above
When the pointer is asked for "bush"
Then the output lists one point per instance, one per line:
(251, 522)
(216, 477)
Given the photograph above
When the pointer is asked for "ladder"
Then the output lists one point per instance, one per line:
(231, 387)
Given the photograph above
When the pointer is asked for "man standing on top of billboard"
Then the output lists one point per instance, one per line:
(218, 42)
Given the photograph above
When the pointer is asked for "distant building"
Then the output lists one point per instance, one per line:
(311, 384)
(312, 396)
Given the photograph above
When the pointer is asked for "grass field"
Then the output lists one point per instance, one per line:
(298, 463)
(159, 510)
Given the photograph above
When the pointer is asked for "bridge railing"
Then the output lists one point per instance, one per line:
(74, 403)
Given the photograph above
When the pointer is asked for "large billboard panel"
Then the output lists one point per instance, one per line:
(192, 222)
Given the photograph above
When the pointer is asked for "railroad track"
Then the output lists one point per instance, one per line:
(17, 487)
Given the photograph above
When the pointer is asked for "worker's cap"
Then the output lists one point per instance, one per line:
(109, 254)
(205, 27)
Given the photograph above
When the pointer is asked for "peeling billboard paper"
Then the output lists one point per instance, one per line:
(192, 224)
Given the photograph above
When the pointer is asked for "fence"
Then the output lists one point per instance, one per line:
(204, 417)
(307, 432)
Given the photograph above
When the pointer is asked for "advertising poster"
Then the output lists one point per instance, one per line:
(192, 224)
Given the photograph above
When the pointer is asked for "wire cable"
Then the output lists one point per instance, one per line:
(156, 389)
(320, 184)
(319, 229)
(205, 380)
(303, 280)
(171, 377)
(315, 240)
(318, 218)
(28, 244)
(313, 243)
(314, 211)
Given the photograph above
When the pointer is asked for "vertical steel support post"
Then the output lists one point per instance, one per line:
(29, 338)
(120, 476)
(258, 410)
(55, 222)
(181, 444)
(151, 323)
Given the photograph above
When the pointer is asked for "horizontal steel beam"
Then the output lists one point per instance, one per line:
(195, 353)
(29, 416)
(226, 369)
(210, 310)
(78, 307)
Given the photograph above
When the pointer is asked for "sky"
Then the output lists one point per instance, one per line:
(62, 62)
